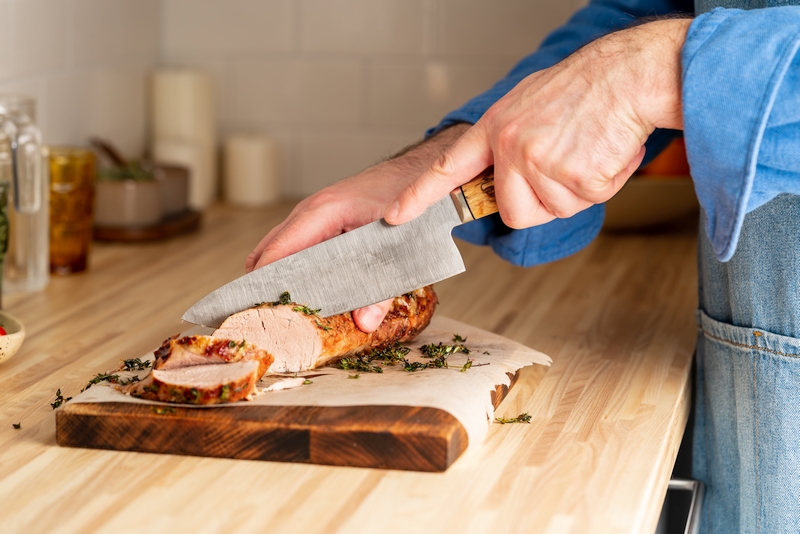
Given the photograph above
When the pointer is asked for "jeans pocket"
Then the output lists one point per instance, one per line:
(747, 433)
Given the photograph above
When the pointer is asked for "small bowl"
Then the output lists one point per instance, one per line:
(15, 335)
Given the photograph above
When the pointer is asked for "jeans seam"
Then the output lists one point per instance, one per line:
(755, 413)
(745, 346)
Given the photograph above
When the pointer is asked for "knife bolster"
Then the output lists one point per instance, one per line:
(464, 213)
(478, 195)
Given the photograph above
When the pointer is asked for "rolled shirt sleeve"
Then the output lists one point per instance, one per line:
(561, 237)
(741, 107)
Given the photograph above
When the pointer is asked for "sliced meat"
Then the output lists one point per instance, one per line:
(199, 384)
(300, 340)
(187, 351)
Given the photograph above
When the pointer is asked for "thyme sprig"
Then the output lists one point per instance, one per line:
(59, 399)
(131, 380)
(470, 364)
(102, 377)
(394, 353)
(521, 418)
(434, 351)
(285, 298)
(134, 364)
(358, 364)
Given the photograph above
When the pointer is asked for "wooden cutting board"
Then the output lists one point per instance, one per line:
(332, 421)
(391, 437)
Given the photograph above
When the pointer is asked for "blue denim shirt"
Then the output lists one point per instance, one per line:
(741, 105)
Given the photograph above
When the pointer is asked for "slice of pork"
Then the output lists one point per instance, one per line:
(199, 384)
(177, 352)
(300, 340)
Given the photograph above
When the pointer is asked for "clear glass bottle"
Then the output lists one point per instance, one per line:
(26, 265)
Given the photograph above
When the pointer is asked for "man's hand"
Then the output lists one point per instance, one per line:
(567, 137)
(349, 204)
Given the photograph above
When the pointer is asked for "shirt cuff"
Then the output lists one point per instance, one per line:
(734, 63)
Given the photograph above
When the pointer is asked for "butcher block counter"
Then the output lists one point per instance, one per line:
(607, 417)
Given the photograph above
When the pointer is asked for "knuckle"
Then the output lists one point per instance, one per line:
(444, 165)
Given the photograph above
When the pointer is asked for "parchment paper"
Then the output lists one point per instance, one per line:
(467, 395)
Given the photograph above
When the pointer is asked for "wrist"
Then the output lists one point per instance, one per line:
(419, 156)
(660, 100)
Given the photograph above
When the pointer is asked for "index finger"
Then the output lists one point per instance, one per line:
(457, 165)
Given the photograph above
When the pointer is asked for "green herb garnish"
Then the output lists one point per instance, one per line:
(320, 325)
(285, 298)
(225, 394)
(459, 339)
(521, 418)
(131, 380)
(17, 425)
(59, 399)
(395, 353)
(101, 377)
(354, 377)
(413, 367)
(305, 309)
(307, 382)
(357, 364)
(433, 351)
(134, 364)
(466, 365)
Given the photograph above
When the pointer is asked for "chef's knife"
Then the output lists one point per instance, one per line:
(361, 267)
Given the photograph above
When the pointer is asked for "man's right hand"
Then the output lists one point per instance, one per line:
(349, 204)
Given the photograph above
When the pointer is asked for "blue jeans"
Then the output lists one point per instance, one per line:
(747, 429)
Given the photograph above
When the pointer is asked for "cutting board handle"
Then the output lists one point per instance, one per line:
(475, 199)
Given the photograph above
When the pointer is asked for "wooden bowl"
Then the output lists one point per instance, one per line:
(15, 335)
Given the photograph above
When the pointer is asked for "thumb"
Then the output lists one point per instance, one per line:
(457, 165)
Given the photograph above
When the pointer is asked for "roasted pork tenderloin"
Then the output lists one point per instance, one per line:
(270, 338)
(299, 339)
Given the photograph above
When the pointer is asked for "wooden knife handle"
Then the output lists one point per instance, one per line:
(475, 199)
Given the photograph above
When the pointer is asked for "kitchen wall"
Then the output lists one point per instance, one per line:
(344, 83)
(85, 62)
(339, 83)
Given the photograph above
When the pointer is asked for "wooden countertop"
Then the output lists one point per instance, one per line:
(608, 416)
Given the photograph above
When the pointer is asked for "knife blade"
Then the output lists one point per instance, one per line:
(370, 264)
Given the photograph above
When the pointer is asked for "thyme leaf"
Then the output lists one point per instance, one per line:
(354, 377)
(305, 309)
(459, 339)
(413, 367)
(17, 425)
(307, 381)
(59, 399)
(521, 418)
(134, 364)
(466, 365)
(320, 325)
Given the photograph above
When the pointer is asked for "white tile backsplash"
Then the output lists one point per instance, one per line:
(363, 27)
(227, 25)
(297, 91)
(339, 83)
(40, 30)
(414, 94)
